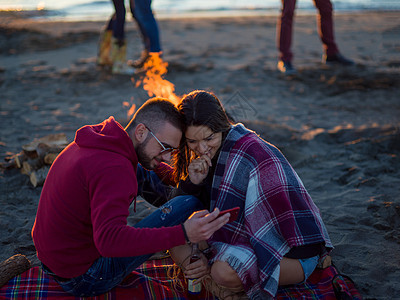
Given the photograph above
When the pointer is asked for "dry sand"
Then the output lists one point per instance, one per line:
(339, 127)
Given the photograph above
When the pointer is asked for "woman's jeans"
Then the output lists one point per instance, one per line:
(108, 272)
(143, 15)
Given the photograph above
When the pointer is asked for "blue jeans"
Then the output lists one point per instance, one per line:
(151, 188)
(117, 21)
(143, 15)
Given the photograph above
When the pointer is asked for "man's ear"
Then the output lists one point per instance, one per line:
(141, 133)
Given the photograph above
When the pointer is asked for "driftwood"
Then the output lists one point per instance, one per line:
(44, 150)
(36, 157)
(12, 267)
(19, 159)
(14, 161)
(30, 165)
(49, 158)
(38, 177)
(52, 140)
(8, 164)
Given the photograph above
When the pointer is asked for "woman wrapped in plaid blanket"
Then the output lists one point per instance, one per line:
(279, 236)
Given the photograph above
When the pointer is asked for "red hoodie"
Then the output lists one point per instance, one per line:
(83, 208)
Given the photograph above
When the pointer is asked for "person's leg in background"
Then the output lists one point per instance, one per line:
(327, 35)
(104, 45)
(113, 34)
(325, 26)
(119, 21)
(118, 42)
(143, 14)
(284, 37)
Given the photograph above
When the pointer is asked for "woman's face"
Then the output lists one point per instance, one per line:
(203, 141)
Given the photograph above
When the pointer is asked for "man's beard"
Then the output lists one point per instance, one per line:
(143, 158)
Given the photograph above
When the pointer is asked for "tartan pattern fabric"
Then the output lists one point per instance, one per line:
(322, 284)
(151, 281)
(317, 286)
(345, 288)
(277, 213)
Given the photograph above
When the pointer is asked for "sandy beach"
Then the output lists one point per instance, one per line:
(338, 126)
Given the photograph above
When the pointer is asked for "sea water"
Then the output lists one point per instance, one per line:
(102, 9)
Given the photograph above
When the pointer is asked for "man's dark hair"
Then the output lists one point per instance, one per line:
(154, 113)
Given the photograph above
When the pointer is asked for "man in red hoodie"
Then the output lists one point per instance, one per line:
(81, 233)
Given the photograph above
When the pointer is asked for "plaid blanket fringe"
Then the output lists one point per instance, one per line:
(152, 281)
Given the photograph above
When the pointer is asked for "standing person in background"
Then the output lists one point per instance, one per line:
(326, 33)
(113, 45)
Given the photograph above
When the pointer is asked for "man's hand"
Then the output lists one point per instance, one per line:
(198, 169)
(201, 225)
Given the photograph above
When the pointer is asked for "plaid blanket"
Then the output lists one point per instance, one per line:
(151, 281)
(326, 284)
(277, 213)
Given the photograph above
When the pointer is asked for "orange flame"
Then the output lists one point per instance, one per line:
(131, 110)
(154, 82)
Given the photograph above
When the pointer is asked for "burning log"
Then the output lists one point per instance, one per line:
(12, 267)
(36, 157)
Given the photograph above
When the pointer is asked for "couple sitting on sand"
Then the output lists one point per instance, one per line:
(81, 232)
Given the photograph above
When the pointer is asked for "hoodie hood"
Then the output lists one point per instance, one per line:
(109, 136)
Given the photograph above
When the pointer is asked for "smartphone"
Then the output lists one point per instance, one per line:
(233, 211)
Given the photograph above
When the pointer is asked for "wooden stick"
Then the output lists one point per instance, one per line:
(20, 158)
(8, 164)
(49, 158)
(43, 149)
(38, 177)
(52, 140)
(30, 165)
(13, 161)
(12, 267)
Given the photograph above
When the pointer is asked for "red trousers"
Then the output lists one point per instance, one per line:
(325, 28)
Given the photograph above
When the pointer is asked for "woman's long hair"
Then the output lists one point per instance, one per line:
(198, 108)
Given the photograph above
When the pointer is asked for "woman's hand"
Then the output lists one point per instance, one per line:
(198, 268)
(198, 169)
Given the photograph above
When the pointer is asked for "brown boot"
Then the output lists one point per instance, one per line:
(118, 56)
(154, 65)
(139, 62)
(104, 49)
